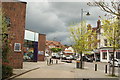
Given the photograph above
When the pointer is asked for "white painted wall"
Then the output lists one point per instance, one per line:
(29, 35)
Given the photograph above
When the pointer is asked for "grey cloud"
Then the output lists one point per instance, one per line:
(53, 18)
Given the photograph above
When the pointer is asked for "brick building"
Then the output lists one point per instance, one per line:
(41, 46)
(34, 46)
(104, 47)
(53, 44)
(15, 13)
(93, 36)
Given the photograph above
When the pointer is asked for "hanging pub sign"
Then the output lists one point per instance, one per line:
(17, 47)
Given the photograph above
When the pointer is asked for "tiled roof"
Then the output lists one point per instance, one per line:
(54, 43)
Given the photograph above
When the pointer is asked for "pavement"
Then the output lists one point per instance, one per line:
(60, 70)
(27, 67)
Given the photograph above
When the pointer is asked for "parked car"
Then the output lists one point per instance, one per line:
(65, 60)
(115, 64)
(97, 59)
(85, 58)
(70, 57)
(63, 57)
(55, 55)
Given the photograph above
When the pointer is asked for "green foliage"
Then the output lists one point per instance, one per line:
(6, 71)
(56, 49)
(6, 50)
(80, 37)
(111, 32)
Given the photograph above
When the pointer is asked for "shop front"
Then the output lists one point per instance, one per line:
(30, 50)
(106, 54)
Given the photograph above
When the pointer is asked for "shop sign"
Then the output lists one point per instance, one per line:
(112, 50)
(103, 50)
(117, 50)
(17, 47)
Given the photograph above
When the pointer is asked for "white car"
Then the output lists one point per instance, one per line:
(69, 57)
(115, 63)
(46, 55)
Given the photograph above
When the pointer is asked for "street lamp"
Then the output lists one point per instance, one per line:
(82, 11)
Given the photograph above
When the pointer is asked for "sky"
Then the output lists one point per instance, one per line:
(54, 18)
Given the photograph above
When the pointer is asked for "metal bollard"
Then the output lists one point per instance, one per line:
(85, 78)
(56, 61)
(95, 67)
(52, 61)
(105, 68)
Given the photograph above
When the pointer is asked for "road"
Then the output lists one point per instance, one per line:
(67, 70)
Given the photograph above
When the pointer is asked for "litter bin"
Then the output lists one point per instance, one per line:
(77, 64)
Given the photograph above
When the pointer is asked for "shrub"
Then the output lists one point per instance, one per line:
(6, 71)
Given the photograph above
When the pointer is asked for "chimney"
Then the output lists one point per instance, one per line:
(98, 24)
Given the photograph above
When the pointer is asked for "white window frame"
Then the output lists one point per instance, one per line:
(19, 47)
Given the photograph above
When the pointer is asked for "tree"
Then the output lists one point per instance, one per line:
(56, 49)
(80, 35)
(112, 7)
(111, 32)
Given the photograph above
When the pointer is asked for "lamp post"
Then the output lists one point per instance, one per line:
(81, 60)
(82, 11)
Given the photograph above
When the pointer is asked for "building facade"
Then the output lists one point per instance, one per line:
(41, 47)
(103, 46)
(53, 44)
(69, 51)
(15, 14)
(34, 46)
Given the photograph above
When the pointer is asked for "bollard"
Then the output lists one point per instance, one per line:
(52, 61)
(85, 78)
(77, 64)
(47, 62)
(95, 67)
(105, 68)
(56, 61)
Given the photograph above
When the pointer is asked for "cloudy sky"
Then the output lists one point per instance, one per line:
(53, 18)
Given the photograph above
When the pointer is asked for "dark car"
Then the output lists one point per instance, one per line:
(85, 58)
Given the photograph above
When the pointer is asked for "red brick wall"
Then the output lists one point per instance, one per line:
(41, 46)
(16, 11)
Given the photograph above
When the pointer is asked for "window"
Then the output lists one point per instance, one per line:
(17, 47)
(104, 55)
(110, 43)
(118, 55)
(105, 42)
(110, 55)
